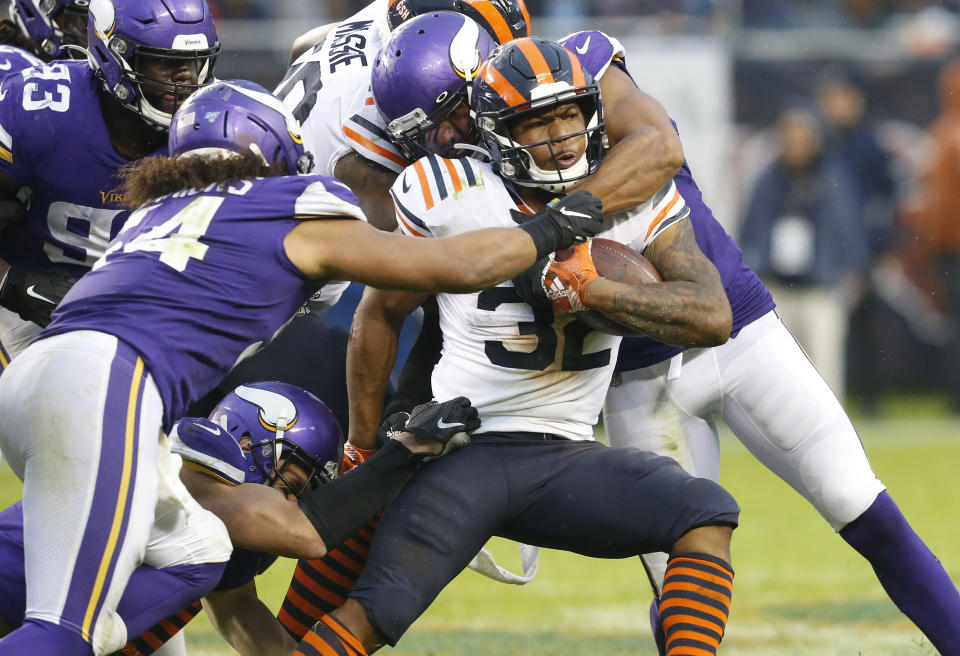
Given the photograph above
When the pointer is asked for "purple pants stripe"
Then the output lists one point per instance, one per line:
(115, 481)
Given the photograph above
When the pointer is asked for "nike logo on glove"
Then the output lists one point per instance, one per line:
(586, 44)
(208, 429)
(442, 424)
(32, 291)
(564, 210)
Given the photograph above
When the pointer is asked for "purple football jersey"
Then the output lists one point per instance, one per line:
(53, 141)
(200, 279)
(749, 298)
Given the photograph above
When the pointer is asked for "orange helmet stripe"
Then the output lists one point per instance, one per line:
(526, 16)
(578, 79)
(535, 58)
(494, 19)
(501, 85)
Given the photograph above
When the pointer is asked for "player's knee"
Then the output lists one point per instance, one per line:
(843, 499)
(711, 504)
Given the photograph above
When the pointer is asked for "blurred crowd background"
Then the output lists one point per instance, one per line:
(825, 134)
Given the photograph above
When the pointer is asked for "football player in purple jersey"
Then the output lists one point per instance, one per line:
(65, 130)
(262, 435)
(224, 250)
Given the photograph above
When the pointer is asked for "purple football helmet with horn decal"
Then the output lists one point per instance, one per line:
(134, 44)
(237, 116)
(422, 77)
(51, 23)
(287, 426)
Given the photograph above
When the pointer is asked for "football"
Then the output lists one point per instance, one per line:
(621, 263)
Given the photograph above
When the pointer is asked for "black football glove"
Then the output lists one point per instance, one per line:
(562, 223)
(529, 283)
(448, 423)
(391, 427)
(34, 294)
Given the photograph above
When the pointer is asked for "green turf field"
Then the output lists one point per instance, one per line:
(799, 589)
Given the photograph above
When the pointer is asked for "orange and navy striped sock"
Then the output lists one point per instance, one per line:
(156, 636)
(330, 638)
(695, 603)
(320, 586)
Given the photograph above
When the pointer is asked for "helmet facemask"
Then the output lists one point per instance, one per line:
(151, 91)
(414, 134)
(515, 161)
(276, 457)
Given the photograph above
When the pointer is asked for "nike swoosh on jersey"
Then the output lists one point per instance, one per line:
(208, 429)
(6, 65)
(586, 44)
(3, 94)
(405, 184)
(32, 291)
(442, 424)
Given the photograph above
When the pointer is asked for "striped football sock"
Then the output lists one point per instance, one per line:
(320, 586)
(330, 638)
(695, 603)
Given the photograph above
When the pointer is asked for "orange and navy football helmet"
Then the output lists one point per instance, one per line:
(504, 20)
(527, 76)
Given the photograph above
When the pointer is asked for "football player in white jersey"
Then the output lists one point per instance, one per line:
(534, 473)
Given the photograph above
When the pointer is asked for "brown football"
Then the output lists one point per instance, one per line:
(624, 264)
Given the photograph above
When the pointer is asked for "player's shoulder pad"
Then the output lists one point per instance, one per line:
(365, 133)
(324, 196)
(208, 447)
(14, 59)
(424, 191)
(596, 50)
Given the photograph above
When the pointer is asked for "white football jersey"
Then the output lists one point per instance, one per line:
(524, 370)
(328, 90)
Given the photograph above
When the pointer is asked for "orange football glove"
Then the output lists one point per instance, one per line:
(565, 281)
(353, 456)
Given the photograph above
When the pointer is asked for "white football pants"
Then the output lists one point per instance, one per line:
(772, 398)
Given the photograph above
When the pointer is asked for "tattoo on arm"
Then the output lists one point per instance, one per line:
(690, 308)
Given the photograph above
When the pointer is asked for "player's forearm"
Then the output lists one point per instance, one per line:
(371, 353)
(482, 259)
(262, 519)
(688, 314)
(247, 624)
(634, 170)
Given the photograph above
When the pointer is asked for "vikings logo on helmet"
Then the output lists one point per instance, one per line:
(275, 411)
(287, 426)
(423, 74)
